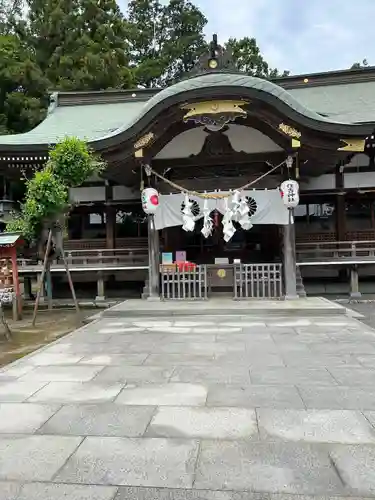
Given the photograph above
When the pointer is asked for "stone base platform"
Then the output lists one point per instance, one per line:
(310, 306)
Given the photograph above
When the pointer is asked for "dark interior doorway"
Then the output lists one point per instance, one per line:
(262, 243)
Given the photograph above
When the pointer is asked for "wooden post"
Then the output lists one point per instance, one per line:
(16, 283)
(70, 281)
(289, 253)
(48, 285)
(340, 206)
(110, 221)
(154, 259)
(41, 281)
(7, 331)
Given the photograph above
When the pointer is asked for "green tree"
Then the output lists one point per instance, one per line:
(23, 88)
(10, 11)
(70, 163)
(79, 44)
(248, 58)
(165, 40)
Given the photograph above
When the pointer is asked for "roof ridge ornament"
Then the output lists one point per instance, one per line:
(216, 60)
(53, 102)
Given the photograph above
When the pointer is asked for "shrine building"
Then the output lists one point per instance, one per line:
(198, 141)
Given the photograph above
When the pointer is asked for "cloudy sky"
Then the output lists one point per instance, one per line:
(302, 36)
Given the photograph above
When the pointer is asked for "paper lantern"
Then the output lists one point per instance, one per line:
(150, 200)
(289, 191)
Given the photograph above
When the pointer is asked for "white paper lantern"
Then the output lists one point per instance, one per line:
(150, 200)
(290, 193)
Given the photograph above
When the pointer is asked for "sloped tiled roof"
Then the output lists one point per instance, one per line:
(89, 122)
(349, 103)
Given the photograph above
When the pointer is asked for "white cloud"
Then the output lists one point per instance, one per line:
(299, 35)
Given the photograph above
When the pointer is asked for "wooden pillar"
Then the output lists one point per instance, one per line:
(16, 284)
(340, 218)
(340, 206)
(154, 259)
(289, 254)
(110, 220)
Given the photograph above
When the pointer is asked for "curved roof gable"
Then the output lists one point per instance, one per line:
(95, 121)
(218, 80)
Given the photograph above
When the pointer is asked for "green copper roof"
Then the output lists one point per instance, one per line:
(90, 122)
(226, 80)
(341, 104)
(349, 103)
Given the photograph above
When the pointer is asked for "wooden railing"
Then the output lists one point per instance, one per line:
(312, 237)
(337, 250)
(99, 258)
(363, 235)
(101, 243)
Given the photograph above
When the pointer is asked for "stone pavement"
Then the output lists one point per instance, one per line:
(199, 408)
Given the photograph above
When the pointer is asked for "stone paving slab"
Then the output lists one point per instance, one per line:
(314, 426)
(18, 390)
(356, 466)
(254, 396)
(14, 371)
(291, 376)
(99, 420)
(134, 374)
(115, 359)
(135, 462)
(211, 374)
(204, 423)
(360, 377)
(130, 493)
(9, 490)
(18, 418)
(47, 359)
(66, 373)
(34, 458)
(43, 491)
(69, 392)
(269, 467)
(164, 395)
(337, 397)
(217, 407)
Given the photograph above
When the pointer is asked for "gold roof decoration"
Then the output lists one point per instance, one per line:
(144, 141)
(214, 114)
(354, 145)
(290, 131)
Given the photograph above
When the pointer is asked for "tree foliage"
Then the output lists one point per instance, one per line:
(91, 45)
(70, 163)
(248, 58)
(73, 162)
(79, 44)
(165, 40)
(23, 95)
(10, 11)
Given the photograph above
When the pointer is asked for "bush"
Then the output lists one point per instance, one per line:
(70, 163)
(73, 162)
